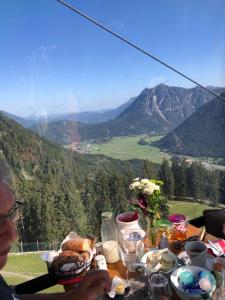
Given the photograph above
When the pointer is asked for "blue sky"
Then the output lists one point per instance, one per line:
(53, 61)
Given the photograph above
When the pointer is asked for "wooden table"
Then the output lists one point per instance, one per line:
(120, 270)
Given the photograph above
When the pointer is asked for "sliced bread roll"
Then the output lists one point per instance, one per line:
(78, 245)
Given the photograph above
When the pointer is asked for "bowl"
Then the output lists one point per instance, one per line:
(168, 272)
(185, 295)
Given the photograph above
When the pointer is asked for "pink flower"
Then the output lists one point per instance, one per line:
(143, 204)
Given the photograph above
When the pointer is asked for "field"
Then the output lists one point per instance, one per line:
(127, 147)
(21, 268)
(190, 210)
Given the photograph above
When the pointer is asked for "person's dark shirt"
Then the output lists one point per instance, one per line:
(6, 293)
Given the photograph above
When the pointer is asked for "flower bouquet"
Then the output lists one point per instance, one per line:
(149, 200)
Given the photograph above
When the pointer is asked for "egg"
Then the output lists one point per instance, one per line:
(205, 284)
(204, 274)
(186, 278)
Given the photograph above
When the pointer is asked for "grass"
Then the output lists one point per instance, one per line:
(29, 264)
(128, 148)
(190, 210)
(25, 266)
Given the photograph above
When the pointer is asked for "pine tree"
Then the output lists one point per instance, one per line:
(194, 175)
(214, 189)
(149, 170)
(179, 172)
(222, 187)
(166, 175)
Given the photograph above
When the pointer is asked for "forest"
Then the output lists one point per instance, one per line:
(62, 190)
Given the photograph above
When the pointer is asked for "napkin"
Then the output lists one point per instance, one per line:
(220, 244)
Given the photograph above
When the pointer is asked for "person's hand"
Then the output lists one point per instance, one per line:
(94, 283)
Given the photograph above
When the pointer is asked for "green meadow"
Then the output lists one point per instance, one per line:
(21, 268)
(190, 209)
(127, 147)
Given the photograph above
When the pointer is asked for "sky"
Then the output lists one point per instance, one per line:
(53, 61)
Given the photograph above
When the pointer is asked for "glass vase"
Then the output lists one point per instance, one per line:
(151, 232)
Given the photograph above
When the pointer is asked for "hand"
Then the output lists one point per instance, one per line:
(94, 283)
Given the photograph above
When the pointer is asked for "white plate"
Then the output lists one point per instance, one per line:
(144, 258)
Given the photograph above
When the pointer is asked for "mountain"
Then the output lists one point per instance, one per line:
(155, 111)
(63, 190)
(90, 117)
(202, 134)
(22, 121)
(164, 107)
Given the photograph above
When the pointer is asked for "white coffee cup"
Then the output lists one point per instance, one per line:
(196, 252)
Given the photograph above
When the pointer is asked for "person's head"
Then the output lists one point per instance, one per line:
(7, 226)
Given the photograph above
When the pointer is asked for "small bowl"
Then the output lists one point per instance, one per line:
(167, 273)
(184, 295)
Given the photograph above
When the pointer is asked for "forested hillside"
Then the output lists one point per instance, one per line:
(63, 190)
(202, 134)
(192, 181)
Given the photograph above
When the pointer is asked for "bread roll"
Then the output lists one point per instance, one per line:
(85, 255)
(66, 257)
(59, 261)
(71, 253)
(92, 239)
(78, 245)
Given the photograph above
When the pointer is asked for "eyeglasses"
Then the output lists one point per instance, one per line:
(14, 214)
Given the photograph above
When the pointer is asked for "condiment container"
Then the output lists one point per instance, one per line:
(179, 227)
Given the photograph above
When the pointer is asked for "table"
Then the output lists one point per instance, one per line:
(120, 270)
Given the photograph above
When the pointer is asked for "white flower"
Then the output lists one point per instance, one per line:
(144, 181)
(148, 191)
(150, 188)
(145, 185)
(134, 185)
(136, 179)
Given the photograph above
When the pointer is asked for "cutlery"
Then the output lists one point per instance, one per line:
(202, 234)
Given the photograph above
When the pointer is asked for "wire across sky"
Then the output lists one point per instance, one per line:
(140, 49)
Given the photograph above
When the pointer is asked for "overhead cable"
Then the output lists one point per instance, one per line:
(140, 49)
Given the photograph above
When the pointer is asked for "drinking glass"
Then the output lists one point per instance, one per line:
(132, 248)
(163, 226)
(138, 280)
(158, 287)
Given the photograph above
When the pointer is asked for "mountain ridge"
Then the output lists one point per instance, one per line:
(154, 111)
(202, 134)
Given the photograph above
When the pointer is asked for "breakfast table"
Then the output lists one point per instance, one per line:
(118, 269)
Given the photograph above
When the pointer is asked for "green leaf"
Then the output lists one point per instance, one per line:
(158, 182)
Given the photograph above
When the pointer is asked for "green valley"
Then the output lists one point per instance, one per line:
(127, 147)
